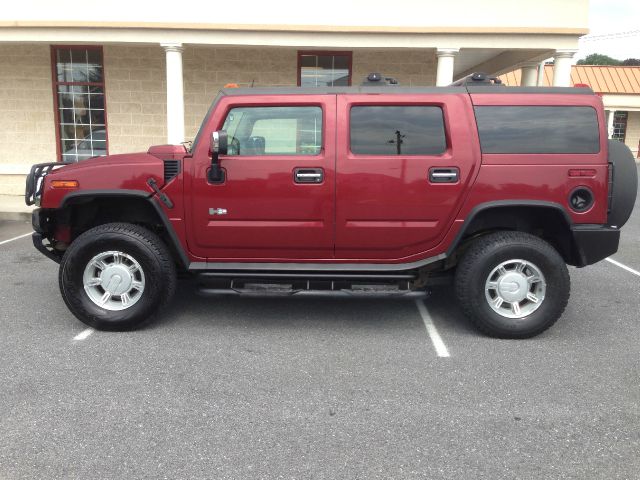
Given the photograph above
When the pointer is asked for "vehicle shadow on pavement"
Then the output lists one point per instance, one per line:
(446, 314)
(303, 311)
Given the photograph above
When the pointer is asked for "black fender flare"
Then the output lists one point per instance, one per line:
(175, 245)
(483, 207)
(584, 244)
(521, 203)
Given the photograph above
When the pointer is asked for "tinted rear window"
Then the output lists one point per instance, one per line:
(397, 130)
(529, 129)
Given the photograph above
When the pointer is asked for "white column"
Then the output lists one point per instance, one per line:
(175, 93)
(612, 114)
(540, 81)
(529, 76)
(562, 68)
(444, 74)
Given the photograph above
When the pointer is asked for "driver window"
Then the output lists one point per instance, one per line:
(274, 131)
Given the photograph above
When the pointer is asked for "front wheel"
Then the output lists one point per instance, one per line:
(117, 276)
(512, 284)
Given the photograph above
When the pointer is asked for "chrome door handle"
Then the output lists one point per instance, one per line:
(444, 175)
(308, 175)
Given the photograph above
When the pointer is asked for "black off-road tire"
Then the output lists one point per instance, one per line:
(141, 244)
(487, 253)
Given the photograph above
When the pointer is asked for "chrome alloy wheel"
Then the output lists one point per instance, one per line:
(515, 288)
(113, 280)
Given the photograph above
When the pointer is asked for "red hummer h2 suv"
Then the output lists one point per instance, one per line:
(362, 189)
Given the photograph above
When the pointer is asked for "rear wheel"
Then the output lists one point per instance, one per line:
(117, 276)
(512, 284)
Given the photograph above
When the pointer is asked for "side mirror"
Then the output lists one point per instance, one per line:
(218, 147)
(218, 142)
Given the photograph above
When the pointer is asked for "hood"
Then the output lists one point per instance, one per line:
(112, 172)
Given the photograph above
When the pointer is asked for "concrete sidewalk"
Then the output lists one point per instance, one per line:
(12, 207)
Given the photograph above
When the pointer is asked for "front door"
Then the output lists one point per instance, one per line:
(404, 163)
(277, 200)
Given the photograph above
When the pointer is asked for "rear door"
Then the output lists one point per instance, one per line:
(278, 198)
(404, 163)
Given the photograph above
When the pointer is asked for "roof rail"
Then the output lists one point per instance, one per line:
(478, 78)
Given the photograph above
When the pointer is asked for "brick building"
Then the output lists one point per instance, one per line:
(118, 77)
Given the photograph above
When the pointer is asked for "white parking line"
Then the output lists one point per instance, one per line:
(84, 334)
(436, 339)
(15, 238)
(621, 265)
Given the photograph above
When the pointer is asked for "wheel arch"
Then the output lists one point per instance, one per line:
(547, 220)
(91, 208)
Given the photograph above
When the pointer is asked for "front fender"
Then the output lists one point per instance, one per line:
(116, 173)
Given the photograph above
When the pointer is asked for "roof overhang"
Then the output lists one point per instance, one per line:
(302, 36)
(628, 102)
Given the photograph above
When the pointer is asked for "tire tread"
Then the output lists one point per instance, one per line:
(157, 248)
(486, 245)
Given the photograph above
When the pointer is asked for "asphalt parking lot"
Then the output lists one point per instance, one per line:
(318, 387)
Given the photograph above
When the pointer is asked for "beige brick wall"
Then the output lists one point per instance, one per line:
(632, 138)
(136, 96)
(12, 185)
(207, 70)
(412, 68)
(27, 128)
(136, 91)
(136, 88)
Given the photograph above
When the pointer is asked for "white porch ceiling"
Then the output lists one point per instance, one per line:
(495, 60)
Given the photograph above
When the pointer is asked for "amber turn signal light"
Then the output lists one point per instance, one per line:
(64, 184)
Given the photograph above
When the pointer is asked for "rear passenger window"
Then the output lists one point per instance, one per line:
(531, 129)
(397, 130)
(274, 130)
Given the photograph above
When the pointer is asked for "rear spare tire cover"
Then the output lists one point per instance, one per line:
(625, 183)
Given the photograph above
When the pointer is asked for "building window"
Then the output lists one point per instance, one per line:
(78, 83)
(324, 69)
(620, 126)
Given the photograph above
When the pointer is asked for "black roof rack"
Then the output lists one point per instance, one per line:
(478, 78)
(376, 79)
